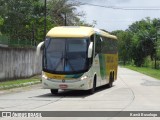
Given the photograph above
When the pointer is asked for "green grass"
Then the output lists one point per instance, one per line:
(19, 83)
(145, 70)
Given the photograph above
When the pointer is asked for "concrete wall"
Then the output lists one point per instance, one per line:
(19, 63)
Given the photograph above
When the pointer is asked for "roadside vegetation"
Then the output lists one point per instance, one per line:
(19, 83)
(22, 21)
(139, 46)
(155, 73)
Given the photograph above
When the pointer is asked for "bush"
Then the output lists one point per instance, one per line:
(147, 62)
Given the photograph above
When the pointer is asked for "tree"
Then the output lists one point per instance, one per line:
(24, 19)
(1, 23)
(139, 41)
(144, 40)
(124, 45)
(62, 11)
(21, 18)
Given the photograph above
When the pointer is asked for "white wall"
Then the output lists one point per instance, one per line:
(19, 63)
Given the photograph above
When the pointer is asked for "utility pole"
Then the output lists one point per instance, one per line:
(155, 64)
(157, 30)
(65, 19)
(45, 17)
(33, 35)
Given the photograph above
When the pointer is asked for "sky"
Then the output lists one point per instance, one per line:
(117, 19)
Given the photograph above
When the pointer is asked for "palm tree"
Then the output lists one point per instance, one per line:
(59, 10)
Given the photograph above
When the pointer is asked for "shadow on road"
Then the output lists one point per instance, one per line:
(73, 93)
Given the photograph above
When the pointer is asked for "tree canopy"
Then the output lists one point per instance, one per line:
(139, 41)
(24, 19)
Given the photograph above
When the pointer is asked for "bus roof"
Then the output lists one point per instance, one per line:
(76, 32)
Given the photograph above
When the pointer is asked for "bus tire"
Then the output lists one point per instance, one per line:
(111, 79)
(54, 91)
(92, 90)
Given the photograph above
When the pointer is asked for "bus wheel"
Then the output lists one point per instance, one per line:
(54, 91)
(92, 90)
(111, 79)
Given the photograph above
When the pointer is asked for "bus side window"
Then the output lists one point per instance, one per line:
(92, 38)
(109, 46)
(98, 42)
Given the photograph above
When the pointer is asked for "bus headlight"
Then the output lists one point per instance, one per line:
(44, 76)
(84, 77)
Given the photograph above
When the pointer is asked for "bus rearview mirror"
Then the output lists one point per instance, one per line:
(90, 49)
(39, 48)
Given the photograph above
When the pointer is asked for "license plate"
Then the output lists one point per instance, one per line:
(63, 86)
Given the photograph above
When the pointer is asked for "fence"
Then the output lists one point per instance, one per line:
(19, 63)
(5, 40)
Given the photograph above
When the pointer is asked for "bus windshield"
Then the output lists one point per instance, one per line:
(65, 55)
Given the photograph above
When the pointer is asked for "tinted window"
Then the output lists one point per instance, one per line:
(109, 46)
(65, 55)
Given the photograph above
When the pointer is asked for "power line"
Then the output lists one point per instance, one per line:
(120, 8)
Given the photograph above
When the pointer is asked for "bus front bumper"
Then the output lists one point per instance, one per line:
(67, 84)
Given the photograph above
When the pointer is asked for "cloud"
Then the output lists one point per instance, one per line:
(122, 1)
(113, 19)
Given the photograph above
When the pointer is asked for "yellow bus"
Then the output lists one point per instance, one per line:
(78, 58)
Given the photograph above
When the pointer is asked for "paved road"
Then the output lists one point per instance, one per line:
(131, 92)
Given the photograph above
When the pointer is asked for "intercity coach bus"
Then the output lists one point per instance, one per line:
(78, 58)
